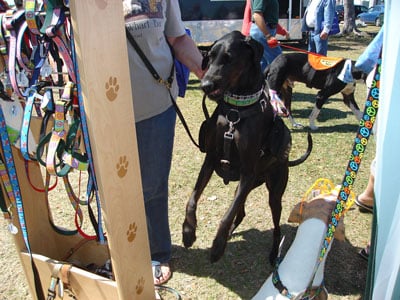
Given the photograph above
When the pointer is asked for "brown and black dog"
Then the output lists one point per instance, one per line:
(243, 140)
(291, 67)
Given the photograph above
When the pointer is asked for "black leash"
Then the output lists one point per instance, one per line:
(167, 83)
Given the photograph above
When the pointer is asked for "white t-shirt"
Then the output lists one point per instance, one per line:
(149, 21)
(311, 12)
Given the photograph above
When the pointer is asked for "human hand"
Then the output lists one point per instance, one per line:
(272, 42)
(277, 104)
(323, 35)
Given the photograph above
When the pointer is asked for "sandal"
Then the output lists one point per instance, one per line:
(364, 253)
(364, 207)
(161, 272)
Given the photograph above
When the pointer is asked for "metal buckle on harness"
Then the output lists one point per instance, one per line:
(228, 135)
(232, 113)
(263, 105)
(233, 117)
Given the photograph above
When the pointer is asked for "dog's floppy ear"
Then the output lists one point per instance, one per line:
(204, 63)
(206, 56)
(257, 48)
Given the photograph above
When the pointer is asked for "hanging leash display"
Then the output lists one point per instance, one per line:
(17, 198)
(92, 188)
(36, 44)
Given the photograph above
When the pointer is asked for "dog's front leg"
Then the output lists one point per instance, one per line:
(190, 223)
(313, 116)
(276, 182)
(246, 184)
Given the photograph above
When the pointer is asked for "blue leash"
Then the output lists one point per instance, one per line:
(12, 173)
(92, 184)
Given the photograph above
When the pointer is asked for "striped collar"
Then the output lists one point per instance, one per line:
(246, 100)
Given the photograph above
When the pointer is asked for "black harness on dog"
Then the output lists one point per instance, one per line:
(236, 108)
(233, 116)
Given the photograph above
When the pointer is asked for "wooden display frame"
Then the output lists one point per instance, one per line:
(101, 53)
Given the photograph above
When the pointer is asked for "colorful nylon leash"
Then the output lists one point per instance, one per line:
(92, 184)
(9, 160)
(7, 207)
(359, 147)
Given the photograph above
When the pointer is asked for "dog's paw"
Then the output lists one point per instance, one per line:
(188, 234)
(298, 126)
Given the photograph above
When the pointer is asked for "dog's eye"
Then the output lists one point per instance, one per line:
(226, 58)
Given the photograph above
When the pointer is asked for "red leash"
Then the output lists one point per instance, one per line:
(298, 49)
(273, 42)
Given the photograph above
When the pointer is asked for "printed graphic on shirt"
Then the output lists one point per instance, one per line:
(142, 9)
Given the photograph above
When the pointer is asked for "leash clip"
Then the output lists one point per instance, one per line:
(166, 83)
(229, 116)
(263, 105)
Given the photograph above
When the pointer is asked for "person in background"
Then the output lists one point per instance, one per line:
(317, 22)
(265, 17)
(247, 23)
(156, 26)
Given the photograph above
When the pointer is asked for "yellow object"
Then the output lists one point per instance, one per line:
(323, 186)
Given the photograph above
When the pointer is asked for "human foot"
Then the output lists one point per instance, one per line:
(364, 252)
(365, 205)
(161, 273)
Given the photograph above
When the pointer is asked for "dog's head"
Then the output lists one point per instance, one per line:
(320, 207)
(233, 65)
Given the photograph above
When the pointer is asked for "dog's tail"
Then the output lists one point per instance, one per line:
(303, 158)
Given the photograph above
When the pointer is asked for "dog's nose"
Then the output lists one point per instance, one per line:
(207, 86)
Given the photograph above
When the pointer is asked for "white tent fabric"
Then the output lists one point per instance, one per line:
(387, 183)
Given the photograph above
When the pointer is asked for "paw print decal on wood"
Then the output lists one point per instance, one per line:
(131, 232)
(122, 166)
(112, 88)
(140, 286)
(102, 4)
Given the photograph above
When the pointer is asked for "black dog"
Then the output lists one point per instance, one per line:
(243, 139)
(291, 67)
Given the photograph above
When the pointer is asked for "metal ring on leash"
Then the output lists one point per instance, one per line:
(169, 290)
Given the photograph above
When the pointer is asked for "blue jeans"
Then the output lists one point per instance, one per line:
(316, 44)
(269, 53)
(155, 137)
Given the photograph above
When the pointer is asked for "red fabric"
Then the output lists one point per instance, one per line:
(247, 22)
(246, 19)
(272, 42)
(280, 30)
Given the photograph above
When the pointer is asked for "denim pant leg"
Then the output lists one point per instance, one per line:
(155, 137)
(269, 53)
(317, 45)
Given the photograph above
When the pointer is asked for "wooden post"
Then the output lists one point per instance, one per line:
(104, 73)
